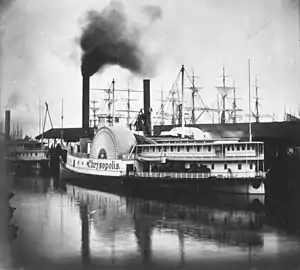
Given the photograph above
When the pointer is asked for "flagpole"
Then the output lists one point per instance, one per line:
(62, 120)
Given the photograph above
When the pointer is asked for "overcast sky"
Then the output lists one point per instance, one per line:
(41, 58)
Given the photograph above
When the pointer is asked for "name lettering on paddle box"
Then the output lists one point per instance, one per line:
(104, 165)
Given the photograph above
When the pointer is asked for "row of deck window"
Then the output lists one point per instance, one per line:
(28, 154)
(226, 166)
(198, 148)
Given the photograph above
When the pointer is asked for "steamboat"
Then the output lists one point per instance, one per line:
(27, 155)
(115, 154)
(24, 154)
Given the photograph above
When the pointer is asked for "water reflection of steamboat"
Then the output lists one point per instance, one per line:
(233, 226)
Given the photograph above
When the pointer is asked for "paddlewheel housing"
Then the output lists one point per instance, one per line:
(114, 142)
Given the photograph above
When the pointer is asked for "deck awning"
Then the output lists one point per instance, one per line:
(67, 134)
(74, 134)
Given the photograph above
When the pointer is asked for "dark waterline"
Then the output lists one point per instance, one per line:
(63, 226)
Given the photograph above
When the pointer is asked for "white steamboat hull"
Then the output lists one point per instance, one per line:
(96, 171)
(108, 171)
(227, 185)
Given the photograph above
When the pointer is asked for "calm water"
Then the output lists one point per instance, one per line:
(63, 226)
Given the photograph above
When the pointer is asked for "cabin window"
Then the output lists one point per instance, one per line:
(238, 148)
(225, 166)
(228, 147)
(36, 154)
(159, 148)
(212, 166)
(165, 148)
(251, 166)
(198, 148)
(248, 146)
(209, 148)
(243, 147)
(232, 147)
(239, 166)
(172, 148)
(188, 149)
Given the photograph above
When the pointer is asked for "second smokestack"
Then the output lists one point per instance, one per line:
(147, 108)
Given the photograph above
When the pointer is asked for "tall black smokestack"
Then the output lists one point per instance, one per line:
(147, 109)
(85, 100)
(7, 125)
(108, 38)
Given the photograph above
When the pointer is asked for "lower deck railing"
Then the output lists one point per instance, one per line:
(180, 175)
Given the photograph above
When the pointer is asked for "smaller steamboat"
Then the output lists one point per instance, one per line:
(27, 155)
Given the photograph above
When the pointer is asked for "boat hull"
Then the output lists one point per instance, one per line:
(88, 179)
(227, 185)
(236, 186)
(24, 166)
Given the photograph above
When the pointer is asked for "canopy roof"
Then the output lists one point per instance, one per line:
(74, 134)
(68, 134)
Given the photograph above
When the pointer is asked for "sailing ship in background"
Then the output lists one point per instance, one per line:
(169, 112)
(111, 114)
(117, 153)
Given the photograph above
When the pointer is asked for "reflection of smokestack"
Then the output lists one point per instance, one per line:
(85, 101)
(147, 110)
(85, 239)
(143, 233)
(7, 125)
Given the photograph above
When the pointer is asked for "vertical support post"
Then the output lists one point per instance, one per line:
(182, 104)
(62, 121)
(113, 102)
(250, 131)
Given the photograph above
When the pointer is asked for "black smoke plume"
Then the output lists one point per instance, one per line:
(108, 39)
